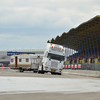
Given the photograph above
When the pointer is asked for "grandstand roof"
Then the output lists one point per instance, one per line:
(81, 36)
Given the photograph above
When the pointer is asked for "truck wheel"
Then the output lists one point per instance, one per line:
(59, 73)
(42, 70)
(38, 71)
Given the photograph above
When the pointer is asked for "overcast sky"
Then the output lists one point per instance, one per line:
(26, 24)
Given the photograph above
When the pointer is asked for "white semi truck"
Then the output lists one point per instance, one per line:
(52, 61)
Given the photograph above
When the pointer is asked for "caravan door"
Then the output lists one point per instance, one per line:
(16, 62)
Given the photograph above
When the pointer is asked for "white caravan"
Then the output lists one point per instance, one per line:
(53, 59)
(26, 62)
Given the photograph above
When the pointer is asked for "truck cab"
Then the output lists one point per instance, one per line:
(53, 59)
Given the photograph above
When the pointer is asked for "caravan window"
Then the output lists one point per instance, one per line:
(20, 60)
(27, 59)
(12, 60)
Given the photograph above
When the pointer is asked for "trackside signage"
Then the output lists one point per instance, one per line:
(17, 53)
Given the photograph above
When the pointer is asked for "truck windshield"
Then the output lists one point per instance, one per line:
(56, 57)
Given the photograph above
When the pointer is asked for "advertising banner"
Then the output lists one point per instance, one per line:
(17, 53)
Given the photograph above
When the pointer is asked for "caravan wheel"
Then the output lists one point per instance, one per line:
(35, 71)
(21, 70)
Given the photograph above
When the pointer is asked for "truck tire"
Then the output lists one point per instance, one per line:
(42, 70)
(21, 70)
(59, 73)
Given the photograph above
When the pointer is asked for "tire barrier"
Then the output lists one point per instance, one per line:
(89, 64)
(71, 66)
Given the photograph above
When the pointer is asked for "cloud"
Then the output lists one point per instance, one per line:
(42, 18)
(29, 13)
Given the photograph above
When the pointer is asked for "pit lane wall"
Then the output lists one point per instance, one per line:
(84, 64)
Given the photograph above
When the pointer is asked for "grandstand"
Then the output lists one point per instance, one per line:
(85, 39)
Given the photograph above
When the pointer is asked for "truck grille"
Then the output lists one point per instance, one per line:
(54, 65)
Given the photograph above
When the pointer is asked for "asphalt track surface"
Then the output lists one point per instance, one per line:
(32, 86)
